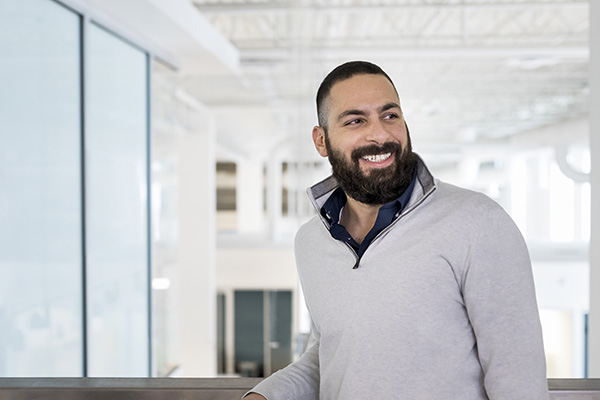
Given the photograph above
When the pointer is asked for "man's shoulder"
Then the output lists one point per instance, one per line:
(463, 197)
(313, 240)
(313, 235)
(310, 228)
(470, 207)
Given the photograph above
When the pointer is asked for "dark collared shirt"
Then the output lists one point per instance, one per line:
(332, 210)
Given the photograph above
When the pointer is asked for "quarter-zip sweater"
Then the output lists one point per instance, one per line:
(442, 306)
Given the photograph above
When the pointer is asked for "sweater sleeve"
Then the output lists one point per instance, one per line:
(297, 381)
(499, 295)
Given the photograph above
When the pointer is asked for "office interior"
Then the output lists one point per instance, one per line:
(154, 157)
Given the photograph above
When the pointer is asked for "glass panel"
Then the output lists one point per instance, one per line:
(116, 208)
(168, 113)
(40, 235)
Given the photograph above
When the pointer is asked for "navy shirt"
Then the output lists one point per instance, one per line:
(332, 210)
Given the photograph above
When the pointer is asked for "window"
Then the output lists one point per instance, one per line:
(116, 207)
(40, 198)
(59, 203)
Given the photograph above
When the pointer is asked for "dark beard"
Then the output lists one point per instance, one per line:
(378, 186)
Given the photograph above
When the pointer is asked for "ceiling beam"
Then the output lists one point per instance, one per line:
(246, 8)
(273, 54)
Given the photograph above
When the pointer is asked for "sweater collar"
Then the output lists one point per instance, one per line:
(425, 183)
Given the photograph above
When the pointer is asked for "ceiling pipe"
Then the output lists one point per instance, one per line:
(566, 168)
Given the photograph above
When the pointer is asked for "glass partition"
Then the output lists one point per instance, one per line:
(116, 206)
(40, 178)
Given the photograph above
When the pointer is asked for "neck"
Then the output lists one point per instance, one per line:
(358, 218)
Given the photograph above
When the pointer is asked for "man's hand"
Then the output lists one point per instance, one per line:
(254, 396)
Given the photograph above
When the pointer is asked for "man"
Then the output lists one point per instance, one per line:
(417, 289)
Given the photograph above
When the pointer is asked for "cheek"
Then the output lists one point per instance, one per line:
(343, 144)
(400, 133)
(352, 142)
(402, 138)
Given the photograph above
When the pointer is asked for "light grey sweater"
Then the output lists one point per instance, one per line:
(442, 306)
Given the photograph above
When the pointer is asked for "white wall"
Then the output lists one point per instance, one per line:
(256, 268)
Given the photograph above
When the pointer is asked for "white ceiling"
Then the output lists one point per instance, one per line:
(467, 70)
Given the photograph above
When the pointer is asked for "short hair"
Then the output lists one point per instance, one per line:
(341, 73)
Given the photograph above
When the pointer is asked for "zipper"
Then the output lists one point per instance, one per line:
(390, 226)
(356, 257)
(403, 214)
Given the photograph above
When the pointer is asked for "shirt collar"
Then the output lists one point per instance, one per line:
(333, 206)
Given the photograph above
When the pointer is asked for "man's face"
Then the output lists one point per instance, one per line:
(367, 141)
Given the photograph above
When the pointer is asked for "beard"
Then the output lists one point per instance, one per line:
(377, 185)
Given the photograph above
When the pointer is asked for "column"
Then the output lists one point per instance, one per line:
(197, 252)
(274, 198)
(249, 196)
(594, 328)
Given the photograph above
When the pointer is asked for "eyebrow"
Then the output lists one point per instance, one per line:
(350, 112)
(383, 108)
(389, 105)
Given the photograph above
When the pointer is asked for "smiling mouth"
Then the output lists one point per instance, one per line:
(377, 157)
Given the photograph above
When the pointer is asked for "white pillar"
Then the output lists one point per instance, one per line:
(538, 197)
(197, 253)
(304, 174)
(594, 328)
(274, 198)
(293, 170)
(249, 196)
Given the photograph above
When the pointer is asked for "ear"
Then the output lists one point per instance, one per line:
(318, 135)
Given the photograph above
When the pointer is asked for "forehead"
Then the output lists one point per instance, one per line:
(362, 91)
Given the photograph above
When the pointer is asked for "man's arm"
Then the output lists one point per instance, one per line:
(499, 294)
(299, 380)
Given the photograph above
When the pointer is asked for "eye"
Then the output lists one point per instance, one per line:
(391, 116)
(354, 121)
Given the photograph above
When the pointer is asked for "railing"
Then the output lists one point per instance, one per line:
(198, 388)
(574, 389)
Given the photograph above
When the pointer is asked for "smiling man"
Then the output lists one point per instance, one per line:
(417, 289)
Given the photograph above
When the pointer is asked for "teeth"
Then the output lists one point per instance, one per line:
(377, 157)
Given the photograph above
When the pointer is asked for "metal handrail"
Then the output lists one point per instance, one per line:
(198, 388)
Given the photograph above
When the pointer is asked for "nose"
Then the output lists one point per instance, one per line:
(377, 133)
